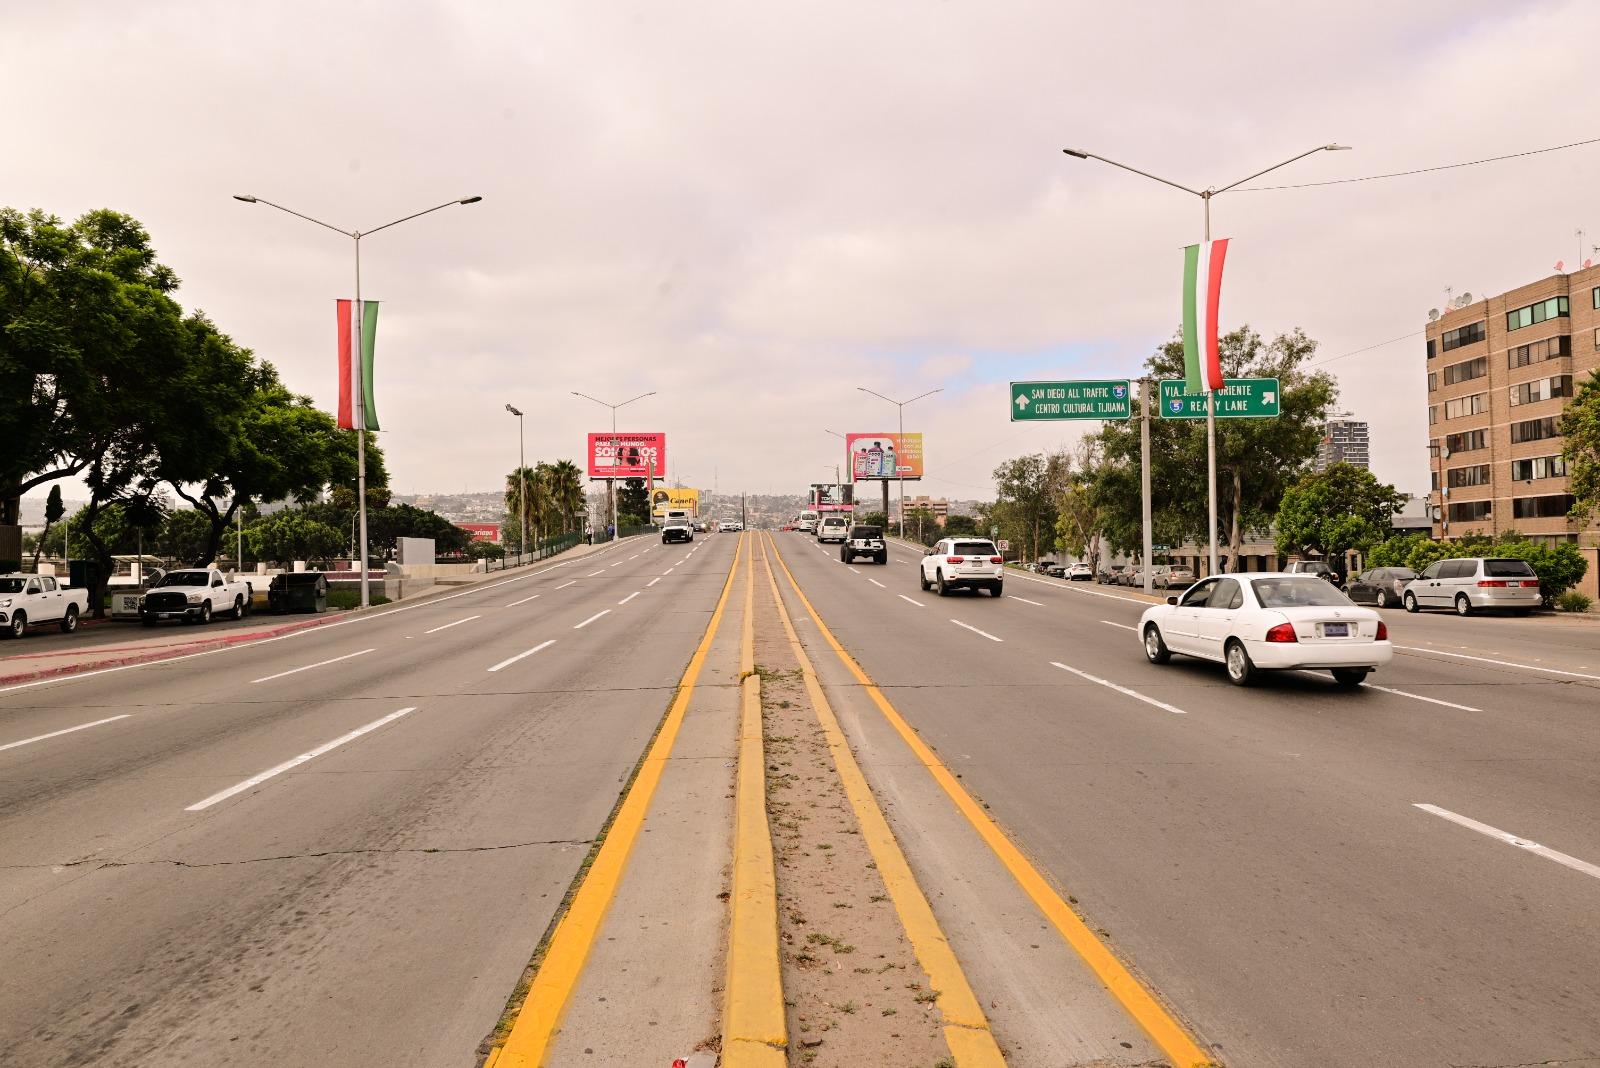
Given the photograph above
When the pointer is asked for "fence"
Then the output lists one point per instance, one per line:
(601, 536)
(539, 551)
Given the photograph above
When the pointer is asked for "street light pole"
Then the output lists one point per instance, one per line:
(616, 525)
(358, 404)
(899, 473)
(1205, 196)
(522, 485)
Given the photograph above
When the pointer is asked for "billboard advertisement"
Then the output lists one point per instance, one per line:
(827, 497)
(489, 532)
(671, 498)
(880, 456)
(627, 455)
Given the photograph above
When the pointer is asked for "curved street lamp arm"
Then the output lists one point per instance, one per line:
(641, 396)
(597, 400)
(930, 393)
(1275, 166)
(408, 218)
(296, 214)
(880, 396)
(1136, 170)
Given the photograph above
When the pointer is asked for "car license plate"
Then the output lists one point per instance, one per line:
(1336, 630)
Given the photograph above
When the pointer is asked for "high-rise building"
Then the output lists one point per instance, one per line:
(1500, 373)
(1343, 441)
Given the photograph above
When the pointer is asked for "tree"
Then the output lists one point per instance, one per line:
(386, 526)
(183, 536)
(1028, 488)
(1080, 516)
(485, 550)
(1339, 508)
(961, 526)
(922, 525)
(53, 511)
(633, 503)
(567, 494)
(1580, 424)
(292, 535)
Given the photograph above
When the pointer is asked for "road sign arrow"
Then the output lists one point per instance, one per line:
(1022, 401)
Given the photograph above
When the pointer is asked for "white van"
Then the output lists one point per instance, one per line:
(808, 522)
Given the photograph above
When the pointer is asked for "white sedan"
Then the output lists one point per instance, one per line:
(1268, 621)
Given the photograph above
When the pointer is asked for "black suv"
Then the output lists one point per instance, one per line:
(864, 541)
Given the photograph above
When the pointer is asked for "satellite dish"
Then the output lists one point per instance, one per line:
(1433, 315)
(1466, 298)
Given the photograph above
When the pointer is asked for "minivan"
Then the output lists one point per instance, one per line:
(1474, 584)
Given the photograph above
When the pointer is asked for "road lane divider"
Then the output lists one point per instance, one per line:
(447, 626)
(592, 574)
(591, 619)
(294, 762)
(1498, 663)
(59, 733)
(533, 1020)
(525, 600)
(630, 597)
(1164, 1029)
(308, 667)
(1565, 859)
(912, 600)
(966, 1026)
(878, 584)
(652, 582)
(975, 630)
(1123, 626)
(508, 661)
(1397, 693)
(754, 1030)
(1024, 600)
(564, 585)
(1108, 684)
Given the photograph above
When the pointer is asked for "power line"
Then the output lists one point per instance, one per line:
(1368, 348)
(1419, 170)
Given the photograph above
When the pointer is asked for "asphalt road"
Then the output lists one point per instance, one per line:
(348, 859)
(1259, 855)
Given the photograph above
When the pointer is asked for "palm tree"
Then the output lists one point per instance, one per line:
(566, 491)
(515, 481)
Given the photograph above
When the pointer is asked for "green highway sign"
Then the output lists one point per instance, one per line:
(1239, 398)
(1098, 399)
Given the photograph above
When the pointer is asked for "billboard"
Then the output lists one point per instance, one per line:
(489, 532)
(884, 456)
(827, 497)
(627, 455)
(666, 497)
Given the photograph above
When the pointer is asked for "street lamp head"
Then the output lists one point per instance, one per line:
(1336, 148)
(469, 200)
(514, 411)
(246, 197)
(1075, 154)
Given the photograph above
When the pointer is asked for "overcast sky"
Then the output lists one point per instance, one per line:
(754, 208)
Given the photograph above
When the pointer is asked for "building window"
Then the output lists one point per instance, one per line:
(1469, 511)
(1435, 477)
(1433, 414)
(1433, 376)
(1553, 308)
(1538, 467)
(1477, 475)
(1466, 371)
(1541, 389)
(1468, 405)
(1534, 429)
(1548, 349)
(1433, 349)
(1555, 506)
(1464, 335)
(1594, 294)
(1467, 442)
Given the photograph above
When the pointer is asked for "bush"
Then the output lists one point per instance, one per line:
(352, 599)
(1573, 601)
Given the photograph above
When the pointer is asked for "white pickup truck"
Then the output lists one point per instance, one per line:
(33, 600)
(194, 595)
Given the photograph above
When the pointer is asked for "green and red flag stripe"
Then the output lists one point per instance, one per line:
(351, 417)
(1202, 296)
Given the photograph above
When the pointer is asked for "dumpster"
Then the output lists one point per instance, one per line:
(298, 591)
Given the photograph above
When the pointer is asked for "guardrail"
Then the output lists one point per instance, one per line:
(541, 550)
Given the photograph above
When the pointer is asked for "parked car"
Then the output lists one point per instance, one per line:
(1171, 577)
(1382, 586)
(194, 595)
(1474, 584)
(962, 563)
(1132, 575)
(1268, 622)
(1080, 572)
(1312, 567)
(35, 600)
(1111, 574)
(833, 528)
(865, 541)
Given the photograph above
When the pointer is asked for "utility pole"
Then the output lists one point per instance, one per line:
(1144, 477)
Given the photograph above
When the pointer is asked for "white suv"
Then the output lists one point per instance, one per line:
(833, 528)
(957, 563)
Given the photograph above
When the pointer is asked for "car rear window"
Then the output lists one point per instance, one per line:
(865, 532)
(1296, 592)
(1508, 569)
(973, 548)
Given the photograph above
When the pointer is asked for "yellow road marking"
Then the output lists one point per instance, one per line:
(754, 1032)
(535, 1025)
(1167, 1033)
(966, 1028)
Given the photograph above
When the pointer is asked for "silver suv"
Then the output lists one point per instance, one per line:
(833, 528)
(1474, 584)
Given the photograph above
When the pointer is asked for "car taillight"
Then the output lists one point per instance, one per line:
(1383, 631)
(996, 560)
(1491, 583)
(1283, 632)
(958, 559)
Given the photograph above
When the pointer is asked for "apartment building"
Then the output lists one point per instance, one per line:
(1500, 373)
(1344, 441)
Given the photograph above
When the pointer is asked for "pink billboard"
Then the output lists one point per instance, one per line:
(627, 455)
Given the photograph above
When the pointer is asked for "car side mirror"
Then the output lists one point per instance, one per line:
(1172, 600)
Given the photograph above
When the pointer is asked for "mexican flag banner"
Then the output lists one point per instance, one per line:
(1202, 293)
(366, 417)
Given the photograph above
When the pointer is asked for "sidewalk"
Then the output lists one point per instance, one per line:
(117, 643)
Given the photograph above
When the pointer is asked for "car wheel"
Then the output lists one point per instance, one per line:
(1241, 672)
(1349, 678)
(69, 622)
(148, 621)
(205, 613)
(18, 627)
(922, 579)
(1463, 605)
(238, 608)
(881, 558)
(1411, 602)
(1155, 648)
(996, 589)
(1383, 599)
(939, 584)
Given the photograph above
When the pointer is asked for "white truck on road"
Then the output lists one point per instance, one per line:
(195, 595)
(34, 600)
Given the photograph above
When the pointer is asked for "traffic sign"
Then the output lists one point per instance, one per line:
(1004, 546)
(1239, 398)
(1090, 399)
